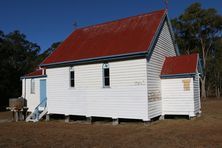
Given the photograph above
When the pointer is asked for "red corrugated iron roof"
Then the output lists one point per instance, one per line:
(124, 36)
(185, 64)
(36, 73)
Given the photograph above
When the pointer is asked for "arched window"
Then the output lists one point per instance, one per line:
(106, 75)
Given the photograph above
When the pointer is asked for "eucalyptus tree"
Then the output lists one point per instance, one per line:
(196, 30)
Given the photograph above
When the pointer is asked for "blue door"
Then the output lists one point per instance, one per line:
(42, 93)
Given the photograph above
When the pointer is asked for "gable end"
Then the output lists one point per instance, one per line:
(155, 39)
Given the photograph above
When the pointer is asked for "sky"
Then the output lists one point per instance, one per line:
(47, 21)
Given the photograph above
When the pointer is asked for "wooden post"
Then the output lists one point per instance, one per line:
(13, 115)
(21, 116)
(67, 119)
(199, 115)
(24, 112)
(192, 117)
(47, 117)
(89, 120)
(16, 116)
(115, 121)
(162, 117)
(147, 123)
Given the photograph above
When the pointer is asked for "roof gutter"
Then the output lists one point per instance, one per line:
(98, 59)
(30, 77)
(184, 75)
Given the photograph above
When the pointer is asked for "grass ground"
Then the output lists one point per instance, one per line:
(205, 131)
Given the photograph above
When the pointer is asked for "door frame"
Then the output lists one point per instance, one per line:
(40, 91)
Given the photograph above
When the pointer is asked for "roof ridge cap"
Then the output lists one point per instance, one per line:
(120, 19)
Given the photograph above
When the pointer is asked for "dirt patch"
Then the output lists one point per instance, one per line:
(5, 117)
(205, 131)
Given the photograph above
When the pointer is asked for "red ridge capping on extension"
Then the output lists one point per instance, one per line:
(124, 36)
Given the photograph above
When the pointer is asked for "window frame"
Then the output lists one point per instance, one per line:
(70, 78)
(104, 67)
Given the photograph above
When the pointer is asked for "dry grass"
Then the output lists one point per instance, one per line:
(205, 131)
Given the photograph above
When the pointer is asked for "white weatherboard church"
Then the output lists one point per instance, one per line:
(124, 69)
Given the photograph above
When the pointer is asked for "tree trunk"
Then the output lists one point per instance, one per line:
(219, 85)
(218, 92)
(208, 91)
(220, 88)
(203, 89)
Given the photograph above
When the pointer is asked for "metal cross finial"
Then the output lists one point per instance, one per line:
(75, 24)
(166, 3)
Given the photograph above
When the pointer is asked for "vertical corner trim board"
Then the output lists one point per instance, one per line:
(164, 47)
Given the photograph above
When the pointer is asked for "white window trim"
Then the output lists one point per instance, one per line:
(70, 70)
(105, 66)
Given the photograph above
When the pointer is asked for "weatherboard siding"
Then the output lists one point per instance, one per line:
(163, 48)
(32, 99)
(176, 100)
(126, 97)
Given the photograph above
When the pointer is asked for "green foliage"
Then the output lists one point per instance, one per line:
(18, 57)
(200, 30)
(215, 69)
(47, 52)
(218, 54)
(197, 26)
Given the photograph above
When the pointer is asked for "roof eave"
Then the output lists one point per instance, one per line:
(155, 37)
(154, 40)
(31, 77)
(172, 35)
(97, 59)
(183, 75)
